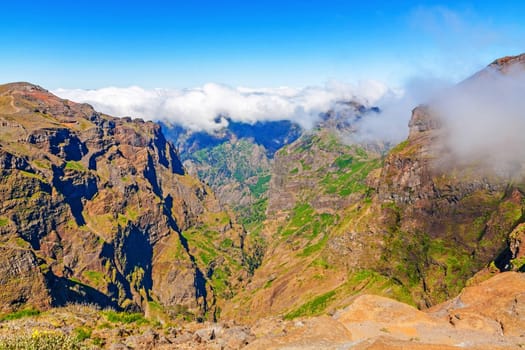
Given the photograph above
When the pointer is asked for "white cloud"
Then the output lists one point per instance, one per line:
(396, 105)
(484, 119)
(197, 108)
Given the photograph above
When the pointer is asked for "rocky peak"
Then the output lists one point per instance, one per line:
(507, 61)
(422, 121)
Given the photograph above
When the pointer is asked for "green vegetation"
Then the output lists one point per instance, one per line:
(416, 259)
(313, 307)
(82, 333)
(42, 164)
(518, 264)
(228, 160)
(3, 221)
(350, 176)
(208, 246)
(32, 175)
(72, 165)
(358, 282)
(261, 186)
(19, 314)
(95, 277)
(305, 222)
(400, 146)
(344, 161)
(252, 216)
(124, 317)
(219, 281)
(309, 250)
(300, 217)
(226, 243)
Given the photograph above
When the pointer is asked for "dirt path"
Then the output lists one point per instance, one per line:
(12, 104)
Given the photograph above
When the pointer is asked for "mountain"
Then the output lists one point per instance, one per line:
(99, 209)
(414, 225)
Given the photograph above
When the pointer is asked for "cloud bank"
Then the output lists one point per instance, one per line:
(198, 108)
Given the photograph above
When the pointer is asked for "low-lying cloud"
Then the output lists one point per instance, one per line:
(391, 125)
(484, 119)
(198, 108)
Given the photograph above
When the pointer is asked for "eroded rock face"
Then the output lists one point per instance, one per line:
(21, 279)
(93, 209)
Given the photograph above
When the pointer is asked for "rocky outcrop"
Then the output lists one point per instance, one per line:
(22, 279)
(486, 316)
(95, 208)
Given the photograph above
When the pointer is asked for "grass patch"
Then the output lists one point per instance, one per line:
(19, 314)
(312, 307)
(226, 243)
(350, 176)
(32, 175)
(72, 165)
(358, 282)
(82, 333)
(124, 317)
(343, 161)
(301, 215)
(314, 247)
(95, 277)
(3, 221)
(400, 147)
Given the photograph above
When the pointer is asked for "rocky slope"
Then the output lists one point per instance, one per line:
(317, 183)
(99, 209)
(484, 316)
(414, 225)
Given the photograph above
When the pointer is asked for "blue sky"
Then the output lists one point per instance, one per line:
(176, 44)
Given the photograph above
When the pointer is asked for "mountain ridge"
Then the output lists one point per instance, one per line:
(92, 204)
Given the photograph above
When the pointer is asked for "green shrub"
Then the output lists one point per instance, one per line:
(82, 333)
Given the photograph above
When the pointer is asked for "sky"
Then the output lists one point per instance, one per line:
(183, 44)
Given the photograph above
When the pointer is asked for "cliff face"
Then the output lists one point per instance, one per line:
(445, 218)
(441, 222)
(99, 209)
